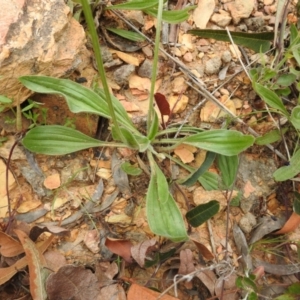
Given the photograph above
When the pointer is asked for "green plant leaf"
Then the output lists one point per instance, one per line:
(228, 166)
(203, 212)
(269, 138)
(5, 100)
(58, 140)
(171, 16)
(153, 127)
(221, 141)
(294, 33)
(129, 169)
(209, 181)
(270, 98)
(295, 117)
(134, 5)
(163, 214)
(290, 171)
(286, 79)
(129, 35)
(192, 179)
(255, 41)
(78, 97)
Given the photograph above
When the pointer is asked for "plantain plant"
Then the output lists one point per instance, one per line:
(163, 214)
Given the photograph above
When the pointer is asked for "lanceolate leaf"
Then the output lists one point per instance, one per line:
(57, 140)
(270, 98)
(228, 166)
(163, 214)
(296, 204)
(134, 5)
(192, 179)
(130, 35)
(78, 97)
(295, 117)
(255, 41)
(290, 171)
(202, 213)
(221, 141)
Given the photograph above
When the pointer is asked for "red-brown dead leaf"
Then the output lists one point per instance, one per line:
(9, 272)
(36, 262)
(9, 247)
(72, 282)
(137, 292)
(139, 251)
(112, 291)
(105, 272)
(52, 182)
(208, 278)
(55, 260)
(203, 250)
(163, 104)
(186, 262)
(120, 247)
(290, 225)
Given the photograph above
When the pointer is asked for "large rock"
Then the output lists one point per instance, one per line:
(37, 37)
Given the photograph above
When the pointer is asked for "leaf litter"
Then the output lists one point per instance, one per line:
(127, 235)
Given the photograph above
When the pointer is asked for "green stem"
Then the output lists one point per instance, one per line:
(95, 42)
(155, 63)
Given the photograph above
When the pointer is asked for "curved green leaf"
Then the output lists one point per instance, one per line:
(163, 215)
(203, 212)
(134, 5)
(290, 171)
(129, 169)
(228, 166)
(129, 35)
(268, 138)
(58, 140)
(221, 141)
(270, 98)
(255, 41)
(295, 117)
(192, 179)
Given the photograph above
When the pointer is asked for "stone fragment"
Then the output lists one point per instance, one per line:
(188, 57)
(122, 74)
(255, 24)
(221, 20)
(247, 222)
(145, 69)
(240, 9)
(179, 85)
(38, 37)
(136, 17)
(213, 65)
(203, 12)
(178, 103)
(226, 56)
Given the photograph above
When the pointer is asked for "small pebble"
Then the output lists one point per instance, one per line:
(247, 222)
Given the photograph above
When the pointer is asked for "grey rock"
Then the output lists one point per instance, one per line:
(247, 222)
(213, 65)
(226, 56)
(121, 75)
(255, 24)
(145, 69)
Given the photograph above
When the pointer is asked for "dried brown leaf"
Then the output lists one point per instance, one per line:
(36, 231)
(203, 250)
(36, 262)
(9, 247)
(139, 251)
(186, 262)
(113, 291)
(8, 273)
(137, 292)
(55, 260)
(290, 225)
(208, 278)
(72, 282)
(120, 247)
(185, 153)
